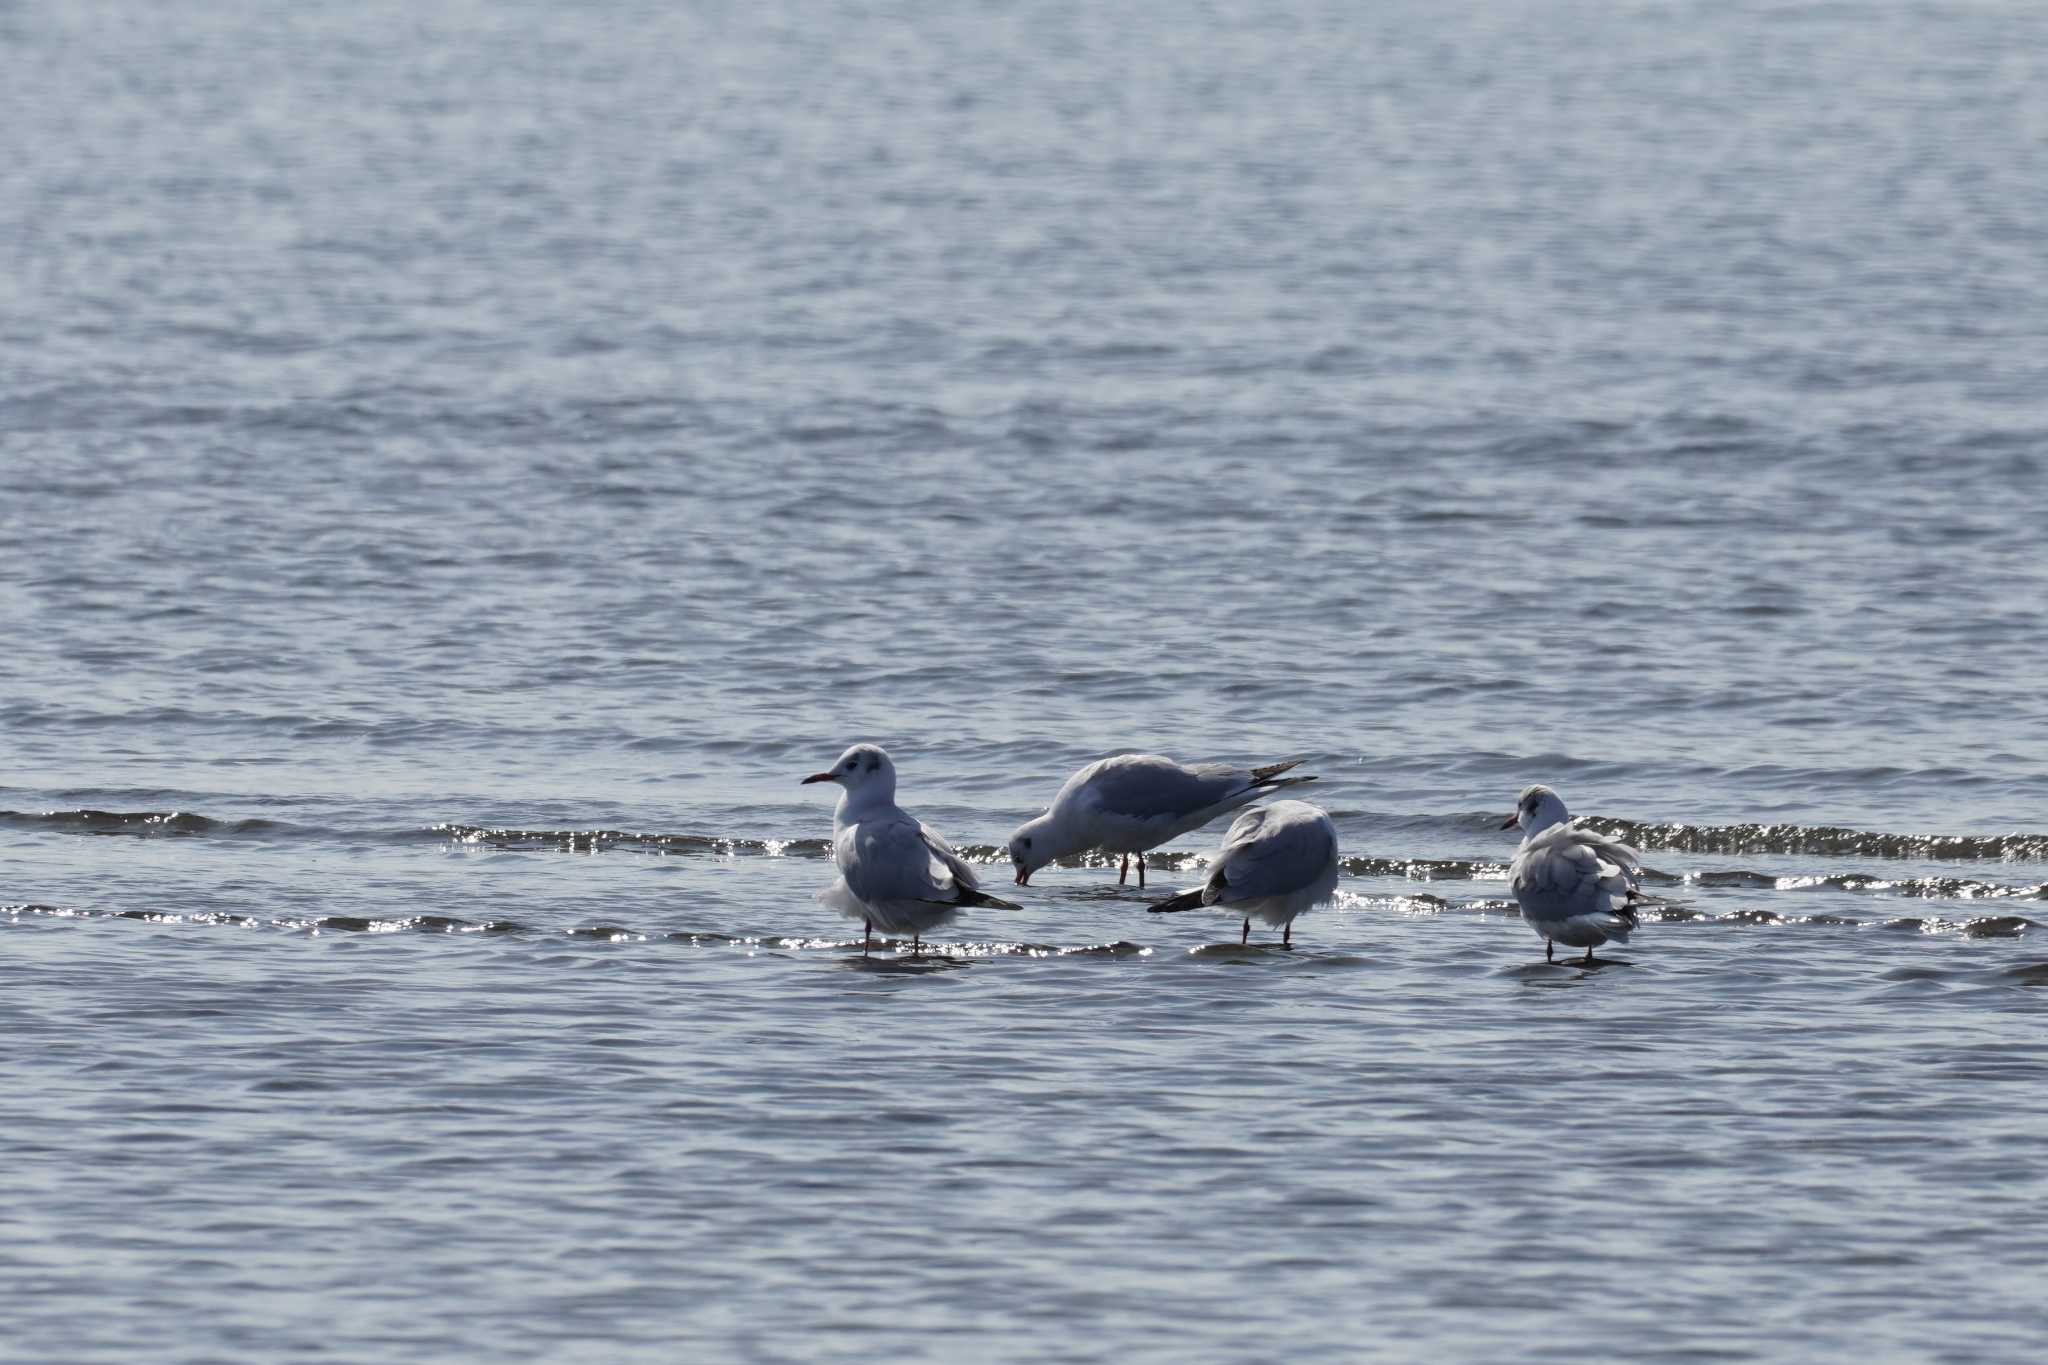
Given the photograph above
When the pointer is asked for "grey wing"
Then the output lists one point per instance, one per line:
(1617, 873)
(956, 867)
(1624, 858)
(1578, 873)
(891, 860)
(1620, 874)
(1149, 787)
(1269, 852)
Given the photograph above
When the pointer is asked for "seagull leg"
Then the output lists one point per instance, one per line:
(1287, 935)
(867, 937)
(1124, 870)
(1246, 936)
(1589, 955)
(1549, 951)
(916, 943)
(1141, 872)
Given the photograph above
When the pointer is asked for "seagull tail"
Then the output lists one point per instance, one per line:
(983, 900)
(1186, 900)
(1261, 776)
(1275, 784)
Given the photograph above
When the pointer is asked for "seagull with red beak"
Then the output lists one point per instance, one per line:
(895, 873)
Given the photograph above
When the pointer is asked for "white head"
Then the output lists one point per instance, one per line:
(1033, 846)
(1537, 808)
(865, 771)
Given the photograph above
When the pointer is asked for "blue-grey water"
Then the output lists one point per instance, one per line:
(462, 464)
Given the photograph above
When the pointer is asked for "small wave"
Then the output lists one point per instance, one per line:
(398, 924)
(599, 840)
(145, 824)
(1168, 862)
(1974, 927)
(1980, 926)
(1825, 839)
(607, 933)
(1158, 863)
(1998, 926)
(1935, 888)
(198, 917)
(600, 932)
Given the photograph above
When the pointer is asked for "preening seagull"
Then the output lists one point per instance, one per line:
(1276, 862)
(893, 870)
(1133, 803)
(1575, 887)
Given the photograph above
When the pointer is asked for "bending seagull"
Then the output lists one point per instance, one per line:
(1575, 887)
(1134, 803)
(1275, 862)
(893, 871)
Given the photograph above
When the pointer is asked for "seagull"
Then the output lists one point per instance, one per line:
(1575, 887)
(1275, 862)
(1136, 802)
(893, 870)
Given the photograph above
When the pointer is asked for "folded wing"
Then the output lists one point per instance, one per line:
(1572, 872)
(1148, 788)
(892, 859)
(1271, 851)
(947, 866)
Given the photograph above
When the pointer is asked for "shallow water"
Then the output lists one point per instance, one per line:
(459, 470)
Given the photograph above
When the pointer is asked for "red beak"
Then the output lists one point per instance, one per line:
(815, 777)
(1509, 823)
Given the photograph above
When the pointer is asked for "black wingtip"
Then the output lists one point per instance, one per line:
(1186, 900)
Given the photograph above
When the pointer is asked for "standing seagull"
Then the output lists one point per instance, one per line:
(1575, 887)
(1136, 802)
(892, 870)
(1275, 862)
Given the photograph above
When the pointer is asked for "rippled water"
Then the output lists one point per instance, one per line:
(460, 466)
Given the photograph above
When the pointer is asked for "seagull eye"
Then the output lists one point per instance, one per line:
(1027, 843)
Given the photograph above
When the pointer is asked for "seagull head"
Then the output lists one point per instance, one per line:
(1536, 808)
(1031, 847)
(864, 770)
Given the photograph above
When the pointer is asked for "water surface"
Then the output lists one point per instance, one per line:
(459, 469)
